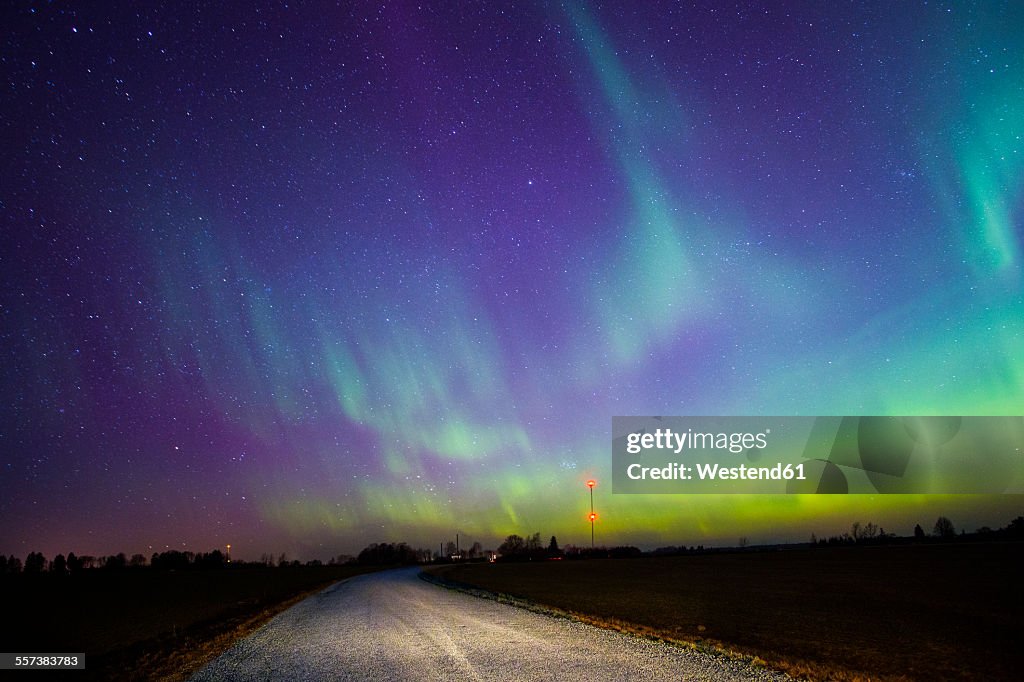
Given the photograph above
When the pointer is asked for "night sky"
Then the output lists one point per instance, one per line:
(298, 277)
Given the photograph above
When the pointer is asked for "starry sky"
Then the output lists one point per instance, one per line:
(303, 276)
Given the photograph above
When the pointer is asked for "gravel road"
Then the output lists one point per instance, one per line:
(394, 626)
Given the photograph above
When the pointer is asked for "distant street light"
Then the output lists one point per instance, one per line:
(590, 484)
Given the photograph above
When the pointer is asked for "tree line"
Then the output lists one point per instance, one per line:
(513, 548)
(73, 564)
(174, 560)
(531, 548)
(943, 530)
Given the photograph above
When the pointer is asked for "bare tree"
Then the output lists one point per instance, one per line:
(944, 528)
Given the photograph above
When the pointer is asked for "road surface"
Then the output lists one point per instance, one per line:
(394, 626)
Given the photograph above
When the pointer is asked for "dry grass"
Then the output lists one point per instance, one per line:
(936, 612)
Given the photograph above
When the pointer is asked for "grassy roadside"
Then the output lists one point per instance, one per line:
(940, 612)
(152, 625)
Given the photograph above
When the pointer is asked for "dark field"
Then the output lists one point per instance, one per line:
(148, 624)
(910, 612)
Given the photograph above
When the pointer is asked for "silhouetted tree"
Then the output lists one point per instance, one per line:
(918, 532)
(137, 561)
(282, 559)
(388, 554)
(944, 528)
(214, 559)
(475, 551)
(171, 560)
(114, 563)
(513, 546)
(35, 562)
(59, 565)
(516, 548)
(74, 563)
(13, 564)
(624, 552)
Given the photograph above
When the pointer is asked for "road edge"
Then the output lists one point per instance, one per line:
(715, 649)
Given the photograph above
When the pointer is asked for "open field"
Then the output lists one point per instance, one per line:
(927, 612)
(148, 624)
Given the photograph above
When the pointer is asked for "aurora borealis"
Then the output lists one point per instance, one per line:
(303, 276)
